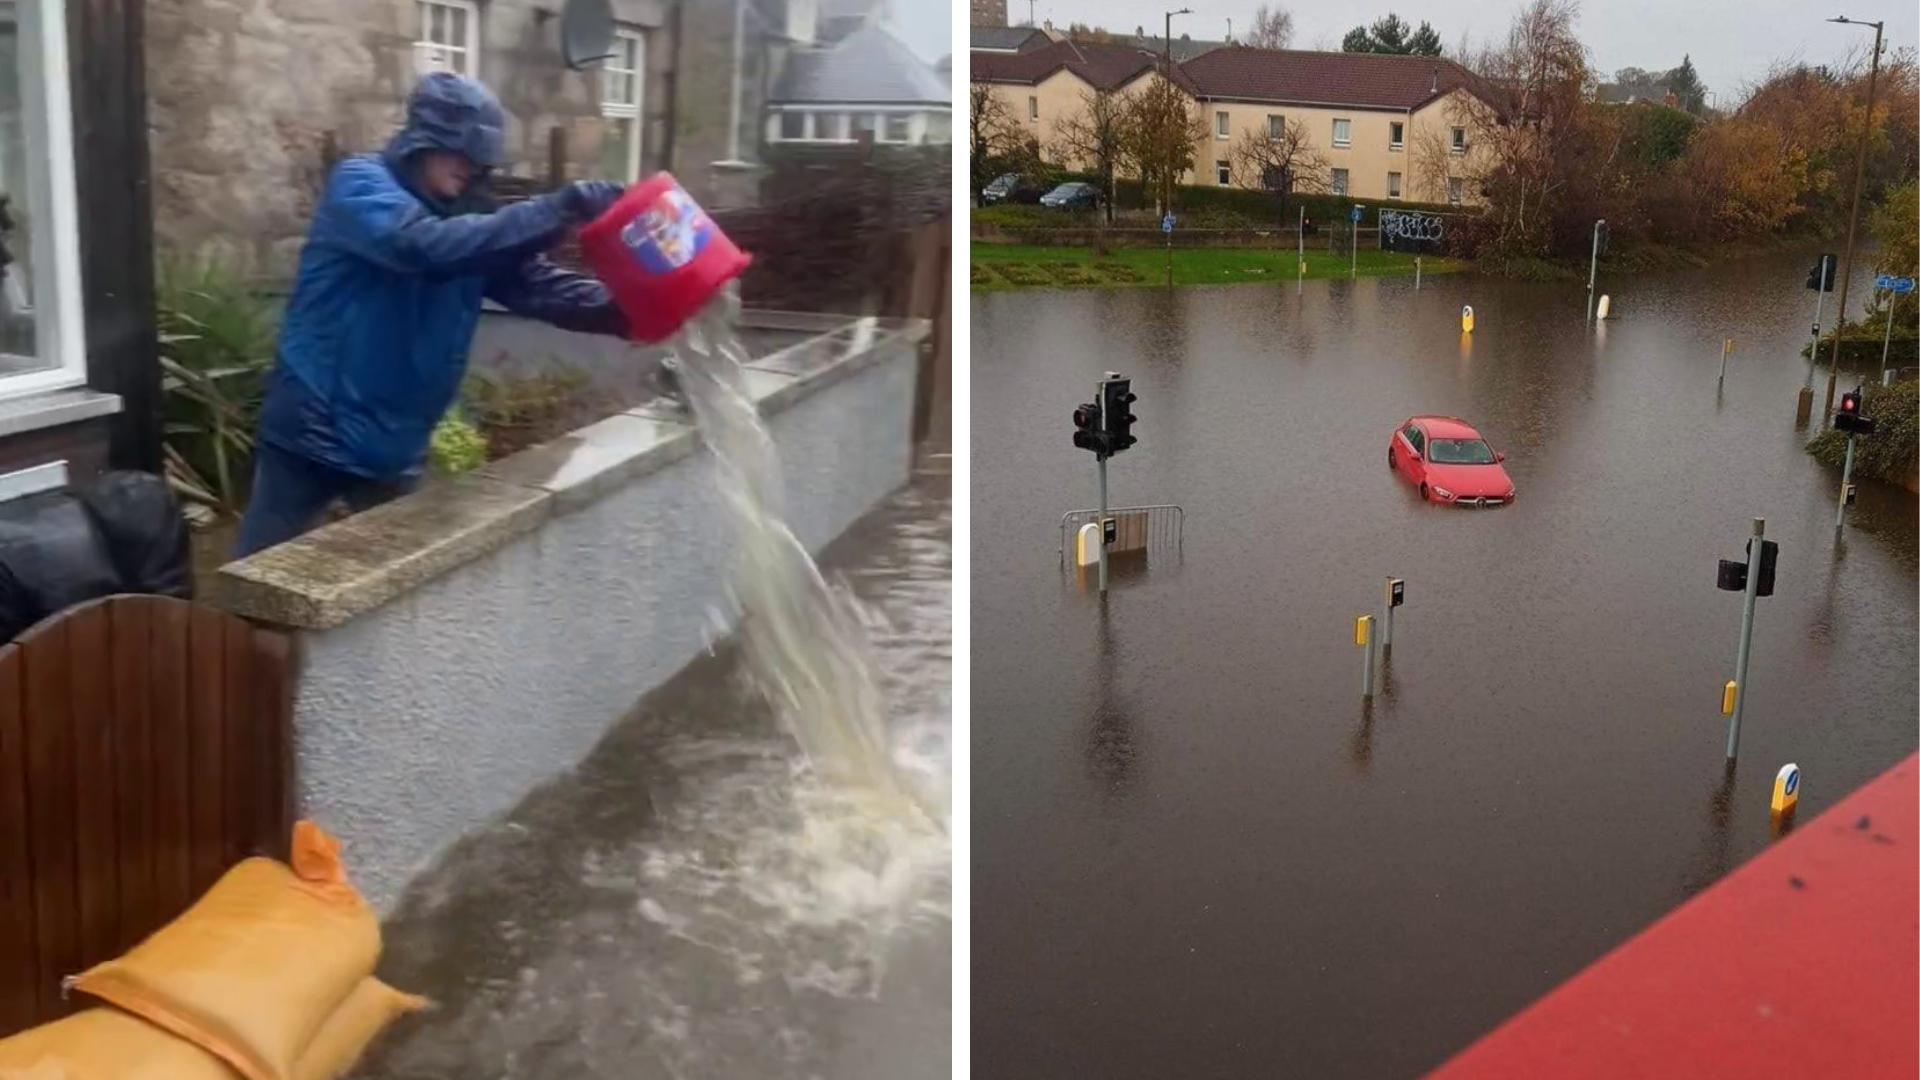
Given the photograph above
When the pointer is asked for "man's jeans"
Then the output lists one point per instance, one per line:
(291, 494)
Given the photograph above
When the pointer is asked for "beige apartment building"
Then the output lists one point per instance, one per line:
(1388, 127)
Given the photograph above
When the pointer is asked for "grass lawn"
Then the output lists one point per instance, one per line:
(1016, 266)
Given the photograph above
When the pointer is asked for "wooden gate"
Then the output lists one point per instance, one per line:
(145, 746)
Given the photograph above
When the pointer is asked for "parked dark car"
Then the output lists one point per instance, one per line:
(1011, 188)
(1073, 195)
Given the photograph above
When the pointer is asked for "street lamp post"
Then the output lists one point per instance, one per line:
(1853, 216)
(1593, 267)
(1166, 72)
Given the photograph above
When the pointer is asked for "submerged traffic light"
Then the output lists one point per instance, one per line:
(1116, 413)
(1821, 276)
(1086, 424)
(1733, 575)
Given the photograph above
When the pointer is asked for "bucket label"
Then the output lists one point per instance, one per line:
(669, 234)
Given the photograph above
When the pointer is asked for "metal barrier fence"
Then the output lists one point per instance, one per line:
(1136, 528)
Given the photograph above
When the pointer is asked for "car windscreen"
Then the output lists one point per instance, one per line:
(1459, 452)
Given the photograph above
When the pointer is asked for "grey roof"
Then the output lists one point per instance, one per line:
(1004, 38)
(1184, 49)
(868, 67)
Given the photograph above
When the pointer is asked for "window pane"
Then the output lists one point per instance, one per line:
(19, 210)
(899, 127)
(862, 124)
(939, 128)
(1219, 123)
(1396, 135)
(1340, 130)
(457, 31)
(1339, 181)
(616, 151)
(1393, 184)
(793, 125)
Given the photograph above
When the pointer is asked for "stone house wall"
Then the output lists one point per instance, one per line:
(243, 96)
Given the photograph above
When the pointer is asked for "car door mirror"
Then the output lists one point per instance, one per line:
(1499, 455)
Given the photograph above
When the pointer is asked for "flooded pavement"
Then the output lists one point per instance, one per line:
(1197, 854)
(690, 904)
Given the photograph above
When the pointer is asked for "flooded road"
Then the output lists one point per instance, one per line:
(1196, 854)
(670, 910)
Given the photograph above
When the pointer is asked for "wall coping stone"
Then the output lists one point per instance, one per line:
(328, 577)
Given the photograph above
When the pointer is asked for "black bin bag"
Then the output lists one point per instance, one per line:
(145, 534)
(51, 557)
(123, 533)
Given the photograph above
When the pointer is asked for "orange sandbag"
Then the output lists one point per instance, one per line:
(347, 1033)
(252, 970)
(105, 1044)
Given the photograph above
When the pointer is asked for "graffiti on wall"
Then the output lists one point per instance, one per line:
(1411, 230)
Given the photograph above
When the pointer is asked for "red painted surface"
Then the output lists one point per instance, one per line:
(1756, 976)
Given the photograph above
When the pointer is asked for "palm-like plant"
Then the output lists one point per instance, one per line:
(216, 347)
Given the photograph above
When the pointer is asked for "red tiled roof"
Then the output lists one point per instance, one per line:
(1359, 80)
(1104, 67)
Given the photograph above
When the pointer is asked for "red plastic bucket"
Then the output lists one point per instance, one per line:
(660, 256)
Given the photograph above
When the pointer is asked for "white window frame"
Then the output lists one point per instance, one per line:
(1338, 141)
(1340, 180)
(882, 131)
(60, 346)
(1276, 125)
(1459, 143)
(1456, 190)
(631, 113)
(1394, 182)
(1221, 125)
(1401, 142)
(424, 47)
(1033, 107)
(839, 124)
(1222, 172)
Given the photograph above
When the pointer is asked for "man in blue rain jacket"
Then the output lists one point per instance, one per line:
(374, 343)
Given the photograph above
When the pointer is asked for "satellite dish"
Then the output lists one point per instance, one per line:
(586, 32)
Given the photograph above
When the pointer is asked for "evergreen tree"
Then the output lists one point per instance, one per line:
(1685, 84)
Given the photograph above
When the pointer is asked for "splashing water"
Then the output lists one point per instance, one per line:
(805, 640)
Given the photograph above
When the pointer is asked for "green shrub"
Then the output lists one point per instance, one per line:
(1892, 452)
(1021, 273)
(457, 446)
(216, 347)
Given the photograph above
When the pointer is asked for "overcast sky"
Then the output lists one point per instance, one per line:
(1732, 43)
(926, 26)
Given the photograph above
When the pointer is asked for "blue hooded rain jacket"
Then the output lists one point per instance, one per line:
(374, 342)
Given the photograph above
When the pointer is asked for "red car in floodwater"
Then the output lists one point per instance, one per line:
(1449, 462)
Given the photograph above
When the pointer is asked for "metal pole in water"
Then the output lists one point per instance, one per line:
(1819, 307)
(1300, 238)
(1416, 273)
(1593, 271)
(1846, 474)
(1386, 624)
(1725, 348)
(1755, 548)
(1103, 521)
(1363, 637)
(1353, 271)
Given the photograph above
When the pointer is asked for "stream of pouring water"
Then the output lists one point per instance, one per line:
(805, 643)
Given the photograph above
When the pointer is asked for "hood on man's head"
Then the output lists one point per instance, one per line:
(452, 112)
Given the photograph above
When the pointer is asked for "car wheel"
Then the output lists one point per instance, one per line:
(1392, 462)
(1423, 492)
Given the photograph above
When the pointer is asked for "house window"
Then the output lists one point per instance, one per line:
(940, 128)
(446, 36)
(831, 127)
(42, 344)
(1219, 125)
(622, 84)
(899, 128)
(1033, 108)
(1396, 135)
(1459, 140)
(794, 126)
(863, 125)
(1339, 181)
(1276, 127)
(1393, 185)
(1222, 173)
(1454, 188)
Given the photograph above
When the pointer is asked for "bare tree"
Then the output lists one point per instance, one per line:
(993, 132)
(1272, 28)
(1280, 158)
(1527, 122)
(1161, 129)
(1095, 135)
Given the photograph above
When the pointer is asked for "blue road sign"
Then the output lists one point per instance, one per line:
(1902, 285)
(1166, 223)
(1354, 214)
